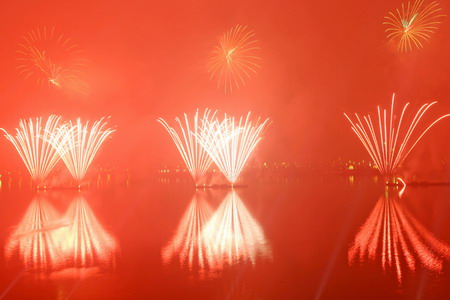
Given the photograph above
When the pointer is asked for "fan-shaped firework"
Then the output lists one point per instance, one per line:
(389, 145)
(33, 239)
(235, 58)
(193, 154)
(234, 235)
(188, 244)
(31, 142)
(412, 25)
(230, 142)
(85, 242)
(52, 59)
(78, 143)
(394, 236)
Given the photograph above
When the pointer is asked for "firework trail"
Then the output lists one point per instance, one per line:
(78, 143)
(391, 233)
(235, 58)
(230, 142)
(31, 142)
(52, 60)
(413, 24)
(387, 143)
(194, 156)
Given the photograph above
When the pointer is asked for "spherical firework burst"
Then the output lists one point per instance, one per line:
(78, 143)
(52, 60)
(194, 156)
(387, 142)
(235, 58)
(413, 24)
(31, 143)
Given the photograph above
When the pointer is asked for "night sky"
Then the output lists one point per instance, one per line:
(148, 59)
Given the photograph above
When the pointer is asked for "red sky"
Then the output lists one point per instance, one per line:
(148, 59)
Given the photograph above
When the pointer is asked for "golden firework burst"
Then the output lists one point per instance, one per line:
(412, 25)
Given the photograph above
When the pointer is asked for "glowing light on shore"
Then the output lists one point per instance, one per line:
(391, 233)
(413, 24)
(31, 142)
(387, 143)
(188, 243)
(52, 59)
(194, 156)
(235, 59)
(78, 143)
(34, 238)
(230, 143)
(234, 235)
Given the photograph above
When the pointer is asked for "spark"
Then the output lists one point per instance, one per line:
(390, 145)
(194, 156)
(413, 24)
(400, 235)
(52, 59)
(235, 58)
(30, 141)
(230, 143)
(78, 143)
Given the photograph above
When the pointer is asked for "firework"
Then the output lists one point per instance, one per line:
(78, 143)
(85, 242)
(387, 142)
(52, 60)
(34, 239)
(234, 235)
(413, 24)
(230, 142)
(194, 156)
(235, 58)
(188, 243)
(392, 232)
(31, 143)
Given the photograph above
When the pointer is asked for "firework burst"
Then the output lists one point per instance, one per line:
(52, 60)
(194, 156)
(78, 143)
(235, 58)
(31, 142)
(413, 24)
(230, 142)
(387, 142)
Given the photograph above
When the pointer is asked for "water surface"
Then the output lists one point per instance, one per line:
(321, 237)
